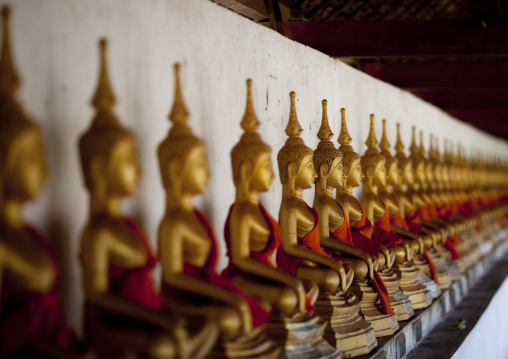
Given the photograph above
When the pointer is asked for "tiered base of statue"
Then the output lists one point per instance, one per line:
(253, 345)
(442, 274)
(399, 302)
(418, 294)
(346, 330)
(424, 276)
(382, 324)
(300, 337)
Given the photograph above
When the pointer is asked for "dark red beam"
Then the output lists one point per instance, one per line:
(426, 76)
(459, 99)
(492, 121)
(401, 38)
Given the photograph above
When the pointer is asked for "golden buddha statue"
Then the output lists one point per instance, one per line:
(354, 335)
(252, 236)
(374, 172)
(32, 320)
(188, 248)
(409, 284)
(375, 307)
(124, 314)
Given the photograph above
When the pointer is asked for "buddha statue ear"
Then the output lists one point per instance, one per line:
(98, 173)
(323, 176)
(175, 170)
(245, 178)
(292, 173)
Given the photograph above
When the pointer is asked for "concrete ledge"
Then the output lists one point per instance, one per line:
(424, 330)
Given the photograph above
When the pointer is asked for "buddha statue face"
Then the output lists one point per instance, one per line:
(304, 174)
(336, 174)
(262, 174)
(123, 169)
(24, 169)
(392, 177)
(355, 176)
(420, 173)
(379, 176)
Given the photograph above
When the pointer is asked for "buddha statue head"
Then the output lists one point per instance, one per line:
(428, 166)
(296, 168)
(327, 159)
(350, 159)
(372, 162)
(251, 157)
(182, 156)
(418, 162)
(433, 166)
(22, 161)
(391, 163)
(108, 153)
(404, 164)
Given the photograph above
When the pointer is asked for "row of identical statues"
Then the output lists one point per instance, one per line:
(321, 282)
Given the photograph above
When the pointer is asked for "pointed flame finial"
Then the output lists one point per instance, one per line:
(399, 146)
(9, 80)
(384, 145)
(436, 149)
(325, 133)
(432, 152)
(414, 148)
(371, 141)
(179, 113)
(250, 122)
(293, 129)
(104, 100)
(422, 148)
(344, 137)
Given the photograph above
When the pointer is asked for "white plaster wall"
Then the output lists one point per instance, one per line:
(55, 50)
(484, 341)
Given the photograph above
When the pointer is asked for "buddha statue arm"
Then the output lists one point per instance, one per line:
(290, 243)
(95, 262)
(335, 245)
(240, 255)
(389, 255)
(171, 257)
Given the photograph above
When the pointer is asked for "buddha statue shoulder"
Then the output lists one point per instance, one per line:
(123, 309)
(187, 243)
(301, 254)
(252, 235)
(334, 231)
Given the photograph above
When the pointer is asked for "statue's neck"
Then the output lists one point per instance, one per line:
(327, 193)
(178, 200)
(369, 187)
(245, 193)
(11, 213)
(286, 193)
(110, 206)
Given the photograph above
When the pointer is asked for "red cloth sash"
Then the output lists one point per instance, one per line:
(432, 210)
(28, 315)
(343, 232)
(289, 263)
(467, 209)
(451, 248)
(398, 221)
(383, 231)
(361, 234)
(445, 212)
(432, 267)
(136, 284)
(264, 256)
(361, 237)
(413, 221)
(207, 274)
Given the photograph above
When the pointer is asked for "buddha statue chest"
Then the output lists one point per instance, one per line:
(335, 214)
(30, 266)
(259, 231)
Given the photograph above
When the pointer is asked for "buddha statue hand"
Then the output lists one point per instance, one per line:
(389, 255)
